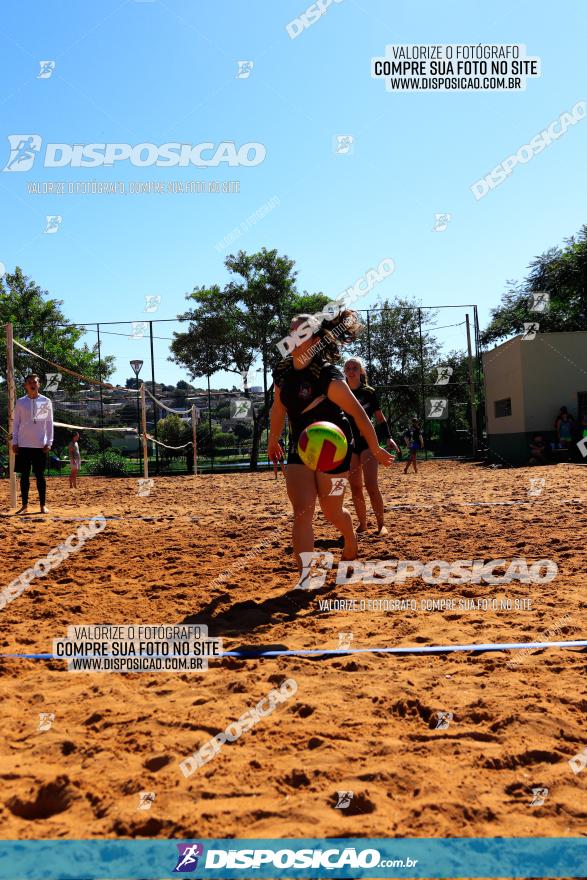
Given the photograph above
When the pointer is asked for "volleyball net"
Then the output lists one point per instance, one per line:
(117, 427)
(422, 361)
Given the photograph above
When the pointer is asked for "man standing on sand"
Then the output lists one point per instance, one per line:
(32, 437)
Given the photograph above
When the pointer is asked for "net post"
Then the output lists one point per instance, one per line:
(471, 388)
(422, 384)
(144, 432)
(194, 439)
(154, 395)
(11, 402)
(212, 450)
(102, 445)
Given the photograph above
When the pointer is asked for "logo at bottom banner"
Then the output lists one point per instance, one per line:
(187, 856)
(232, 859)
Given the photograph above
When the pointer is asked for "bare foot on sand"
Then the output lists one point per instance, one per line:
(351, 550)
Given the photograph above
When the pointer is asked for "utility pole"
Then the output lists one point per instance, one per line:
(471, 387)
(11, 403)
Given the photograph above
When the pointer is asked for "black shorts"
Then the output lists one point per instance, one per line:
(294, 458)
(341, 422)
(361, 445)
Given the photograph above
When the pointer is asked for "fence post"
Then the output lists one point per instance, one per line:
(144, 431)
(471, 386)
(102, 439)
(423, 390)
(480, 385)
(210, 423)
(154, 404)
(195, 439)
(265, 400)
(11, 402)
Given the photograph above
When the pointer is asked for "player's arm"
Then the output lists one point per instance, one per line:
(276, 423)
(381, 420)
(50, 426)
(15, 428)
(340, 394)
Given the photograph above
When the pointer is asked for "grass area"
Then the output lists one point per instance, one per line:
(167, 466)
(177, 466)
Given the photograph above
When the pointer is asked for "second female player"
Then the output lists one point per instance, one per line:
(364, 464)
(308, 388)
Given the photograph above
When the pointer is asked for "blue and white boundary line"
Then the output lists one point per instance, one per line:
(253, 654)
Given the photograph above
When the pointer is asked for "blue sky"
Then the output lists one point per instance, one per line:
(159, 72)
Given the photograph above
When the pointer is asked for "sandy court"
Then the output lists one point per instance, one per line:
(364, 724)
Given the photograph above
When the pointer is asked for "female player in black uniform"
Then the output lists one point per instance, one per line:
(309, 388)
(363, 463)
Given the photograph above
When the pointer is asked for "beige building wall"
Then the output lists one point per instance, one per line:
(554, 367)
(502, 368)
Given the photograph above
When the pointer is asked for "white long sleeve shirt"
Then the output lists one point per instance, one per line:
(33, 422)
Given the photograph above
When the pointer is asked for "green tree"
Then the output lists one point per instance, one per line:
(452, 435)
(231, 328)
(222, 410)
(242, 430)
(560, 272)
(391, 348)
(222, 438)
(40, 324)
(173, 431)
(111, 464)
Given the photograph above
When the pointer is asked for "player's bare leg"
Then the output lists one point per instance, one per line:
(301, 490)
(335, 513)
(356, 483)
(370, 470)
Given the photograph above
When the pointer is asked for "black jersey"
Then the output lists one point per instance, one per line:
(369, 400)
(298, 388)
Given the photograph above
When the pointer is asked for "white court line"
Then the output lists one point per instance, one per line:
(477, 504)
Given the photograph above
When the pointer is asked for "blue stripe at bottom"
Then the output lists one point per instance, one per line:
(302, 858)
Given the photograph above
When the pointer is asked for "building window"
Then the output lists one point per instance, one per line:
(503, 408)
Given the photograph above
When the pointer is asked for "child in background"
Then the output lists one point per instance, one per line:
(565, 430)
(74, 459)
(539, 450)
(414, 442)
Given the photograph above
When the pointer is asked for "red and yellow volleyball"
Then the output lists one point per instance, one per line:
(322, 446)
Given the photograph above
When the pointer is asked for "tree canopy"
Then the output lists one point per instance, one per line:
(560, 272)
(40, 324)
(231, 328)
(392, 349)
